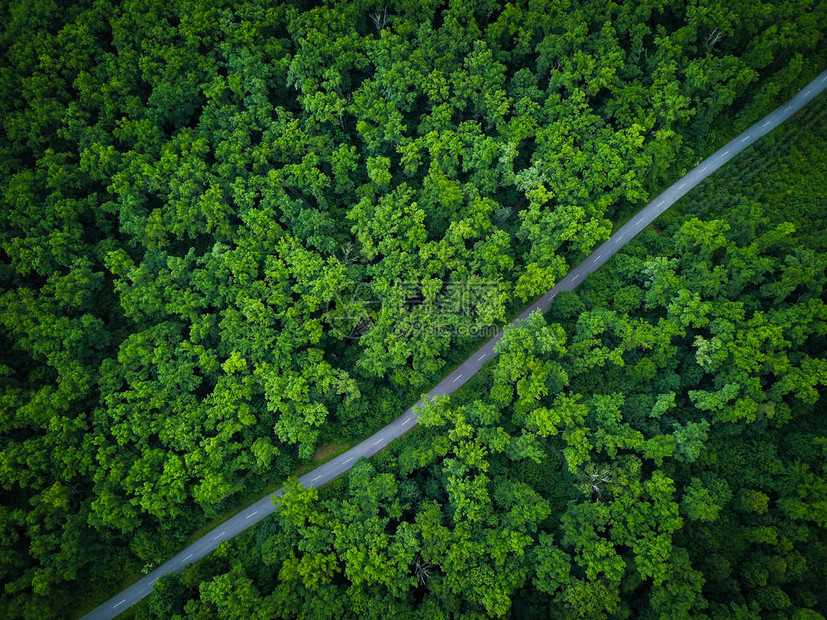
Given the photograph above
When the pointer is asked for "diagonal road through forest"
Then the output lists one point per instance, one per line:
(467, 369)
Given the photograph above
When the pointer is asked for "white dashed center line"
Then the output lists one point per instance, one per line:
(788, 108)
(598, 258)
(406, 421)
(577, 275)
(120, 603)
(682, 185)
(659, 204)
(725, 153)
(640, 220)
(482, 357)
(765, 124)
(704, 168)
(316, 478)
(219, 536)
(251, 515)
(349, 460)
(807, 93)
(377, 441)
(186, 558)
(745, 138)
(457, 379)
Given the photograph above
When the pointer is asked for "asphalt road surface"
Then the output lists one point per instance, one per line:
(370, 446)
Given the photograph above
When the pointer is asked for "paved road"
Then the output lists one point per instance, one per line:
(370, 446)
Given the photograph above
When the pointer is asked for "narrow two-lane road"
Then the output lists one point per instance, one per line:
(370, 446)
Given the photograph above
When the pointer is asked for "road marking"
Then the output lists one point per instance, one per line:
(406, 421)
(745, 138)
(597, 259)
(349, 460)
(220, 535)
(765, 124)
(787, 109)
(316, 478)
(577, 275)
(116, 604)
(640, 220)
(659, 204)
(377, 441)
(704, 168)
(251, 515)
(457, 379)
(682, 185)
(725, 153)
(482, 357)
(807, 93)
(186, 558)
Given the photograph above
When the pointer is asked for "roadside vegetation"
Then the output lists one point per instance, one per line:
(653, 447)
(234, 232)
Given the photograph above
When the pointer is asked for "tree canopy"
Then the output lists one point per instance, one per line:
(232, 232)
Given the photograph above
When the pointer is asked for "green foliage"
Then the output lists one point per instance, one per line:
(232, 232)
(635, 467)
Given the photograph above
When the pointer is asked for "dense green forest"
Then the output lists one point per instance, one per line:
(654, 447)
(232, 232)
